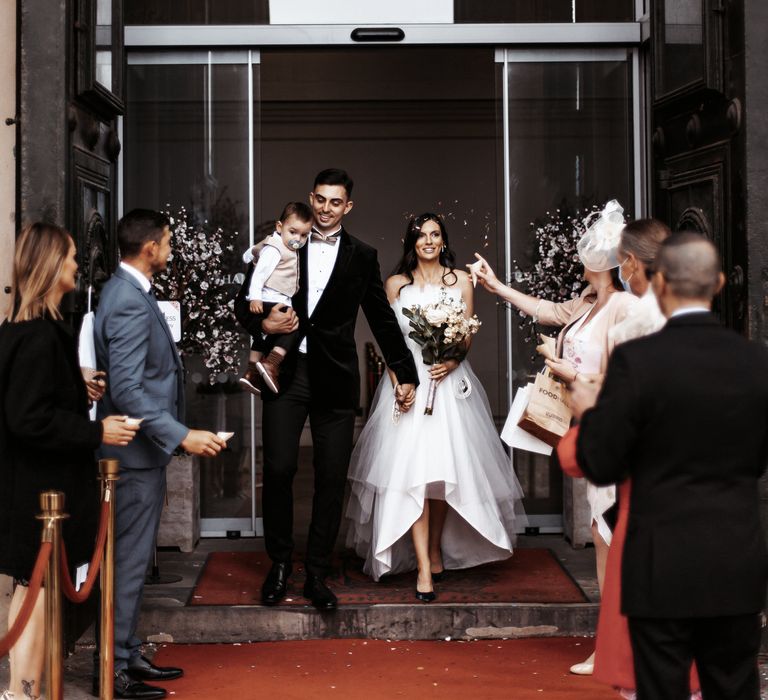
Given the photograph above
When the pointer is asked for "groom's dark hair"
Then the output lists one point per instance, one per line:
(137, 227)
(335, 176)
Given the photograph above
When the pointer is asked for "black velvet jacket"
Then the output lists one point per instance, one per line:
(355, 283)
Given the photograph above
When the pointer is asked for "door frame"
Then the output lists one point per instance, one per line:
(532, 42)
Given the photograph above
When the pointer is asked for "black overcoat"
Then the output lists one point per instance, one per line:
(684, 414)
(46, 442)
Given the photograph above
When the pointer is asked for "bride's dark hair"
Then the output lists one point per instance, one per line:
(409, 260)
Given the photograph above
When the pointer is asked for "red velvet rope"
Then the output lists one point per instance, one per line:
(67, 587)
(35, 584)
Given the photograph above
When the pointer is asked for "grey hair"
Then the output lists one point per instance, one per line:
(691, 265)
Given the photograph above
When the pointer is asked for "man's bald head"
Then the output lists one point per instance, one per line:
(690, 265)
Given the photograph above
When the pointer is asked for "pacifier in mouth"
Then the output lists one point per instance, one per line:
(296, 244)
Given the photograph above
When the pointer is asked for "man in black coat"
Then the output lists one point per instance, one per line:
(684, 414)
(338, 276)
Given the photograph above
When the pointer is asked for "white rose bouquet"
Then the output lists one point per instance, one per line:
(441, 329)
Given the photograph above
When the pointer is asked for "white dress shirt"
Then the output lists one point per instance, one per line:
(690, 310)
(143, 281)
(321, 258)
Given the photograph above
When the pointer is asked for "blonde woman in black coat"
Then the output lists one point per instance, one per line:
(46, 439)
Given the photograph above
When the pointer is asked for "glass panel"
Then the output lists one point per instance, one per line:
(417, 130)
(197, 12)
(683, 58)
(186, 135)
(570, 140)
(510, 11)
(104, 43)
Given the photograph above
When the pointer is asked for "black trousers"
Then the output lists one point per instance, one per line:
(286, 341)
(332, 429)
(724, 649)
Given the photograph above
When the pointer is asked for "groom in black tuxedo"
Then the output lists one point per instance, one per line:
(684, 414)
(338, 276)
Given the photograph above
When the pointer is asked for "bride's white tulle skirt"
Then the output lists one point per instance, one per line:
(454, 454)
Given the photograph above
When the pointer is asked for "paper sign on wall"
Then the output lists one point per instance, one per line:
(172, 312)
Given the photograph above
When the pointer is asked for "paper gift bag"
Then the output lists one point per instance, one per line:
(513, 434)
(86, 350)
(547, 415)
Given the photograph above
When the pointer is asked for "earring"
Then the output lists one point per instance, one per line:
(442, 250)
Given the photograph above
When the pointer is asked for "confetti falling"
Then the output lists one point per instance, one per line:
(556, 272)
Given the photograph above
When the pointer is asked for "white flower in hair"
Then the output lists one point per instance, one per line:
(599, 246)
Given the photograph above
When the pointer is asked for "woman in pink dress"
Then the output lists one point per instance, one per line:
(585, 341)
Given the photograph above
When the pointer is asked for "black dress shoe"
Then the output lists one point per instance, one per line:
(127, 687)
(142, 669)
(276, 583)
(321, 596)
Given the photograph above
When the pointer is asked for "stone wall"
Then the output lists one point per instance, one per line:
(180, 522)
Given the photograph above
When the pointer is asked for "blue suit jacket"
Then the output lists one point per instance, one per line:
(144, 373)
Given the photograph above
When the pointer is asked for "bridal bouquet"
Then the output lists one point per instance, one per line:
(441, 329)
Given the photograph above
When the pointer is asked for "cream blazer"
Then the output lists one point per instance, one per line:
(567, 312)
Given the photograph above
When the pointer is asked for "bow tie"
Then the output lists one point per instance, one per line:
(330, 239)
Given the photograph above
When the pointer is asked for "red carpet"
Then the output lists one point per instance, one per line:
(352, 669)
(529, 576)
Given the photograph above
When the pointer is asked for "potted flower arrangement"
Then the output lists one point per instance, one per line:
(196, 279)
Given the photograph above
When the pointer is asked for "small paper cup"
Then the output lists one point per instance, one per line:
(473, 268)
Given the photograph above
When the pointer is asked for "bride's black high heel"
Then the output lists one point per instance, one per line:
(424, 596)
(427, 597)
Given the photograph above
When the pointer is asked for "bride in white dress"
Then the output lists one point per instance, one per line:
(431, 492)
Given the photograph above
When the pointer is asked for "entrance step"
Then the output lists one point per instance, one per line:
(253, 623)
(167, 615)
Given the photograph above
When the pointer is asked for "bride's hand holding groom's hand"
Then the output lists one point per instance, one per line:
(405, 395)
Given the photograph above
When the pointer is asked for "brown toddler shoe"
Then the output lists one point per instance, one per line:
(251, 380)
(269, 368)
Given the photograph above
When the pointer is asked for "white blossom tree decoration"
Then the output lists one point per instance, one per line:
(195, 278)
(556, 272)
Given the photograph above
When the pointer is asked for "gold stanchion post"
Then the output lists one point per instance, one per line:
(52, 507)
(108, 475)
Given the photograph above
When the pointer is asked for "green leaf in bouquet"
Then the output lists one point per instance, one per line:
(455, 351)
(429, 355)
(413, 335)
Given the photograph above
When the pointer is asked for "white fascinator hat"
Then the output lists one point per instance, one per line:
(599, 246)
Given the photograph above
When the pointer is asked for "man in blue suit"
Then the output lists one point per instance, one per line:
(135, 348)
